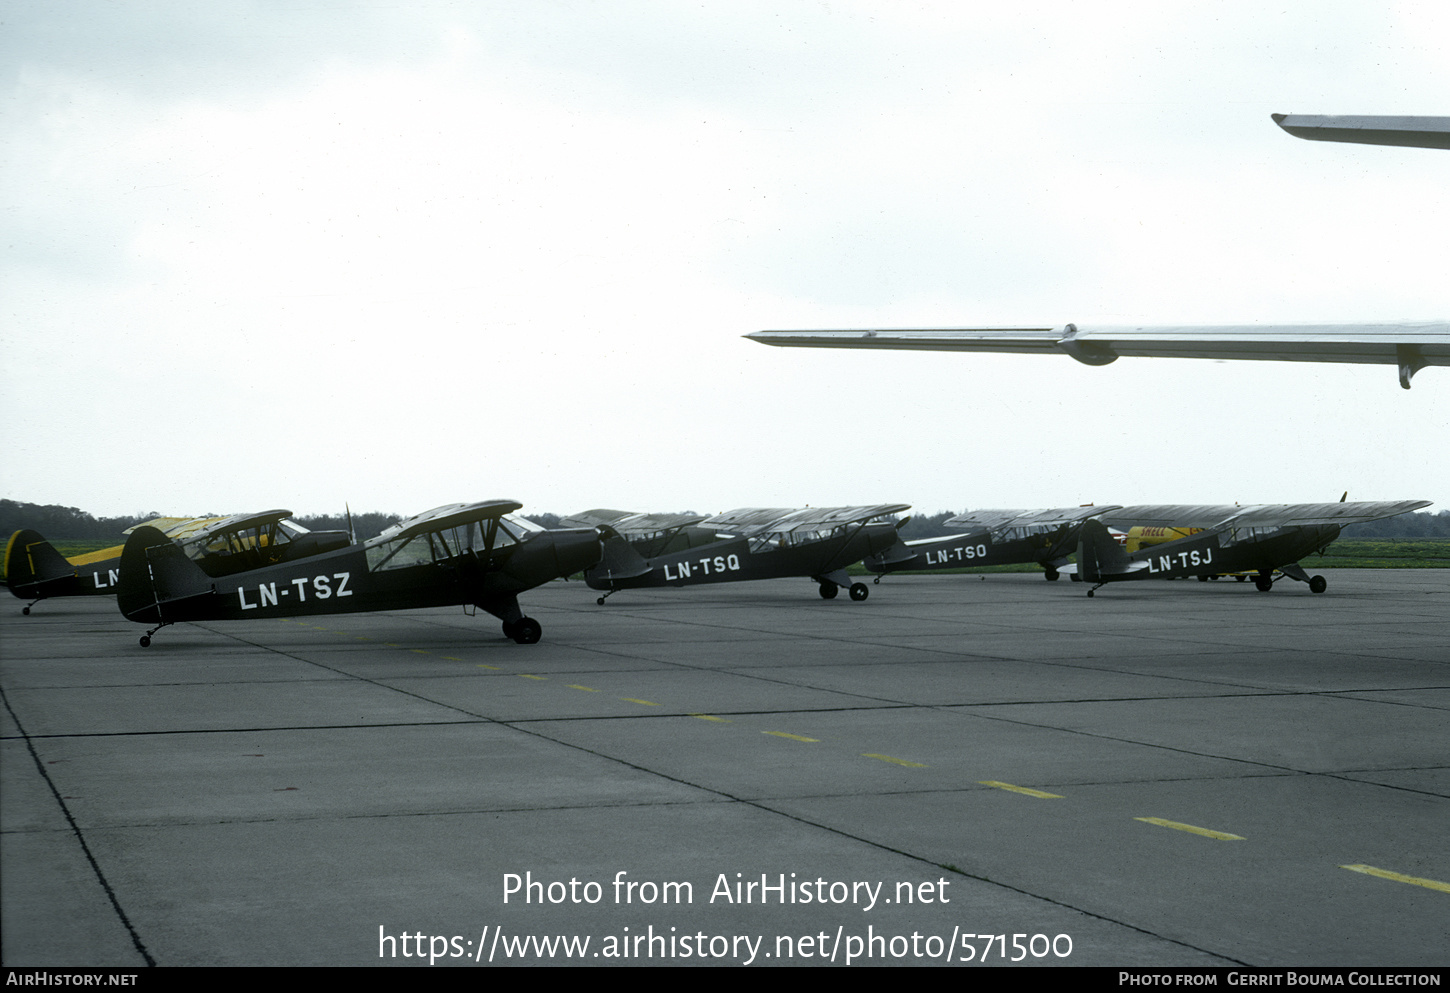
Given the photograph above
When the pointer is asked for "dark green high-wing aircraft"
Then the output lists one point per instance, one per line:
(758, 543)
(220, 545)
(992, 537)
(1261, 539)
(471, 554)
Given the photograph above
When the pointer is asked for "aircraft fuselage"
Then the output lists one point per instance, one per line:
(1216, 552)
(737, 559)
(1047, 549)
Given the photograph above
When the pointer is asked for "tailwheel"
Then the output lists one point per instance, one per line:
(859, 591)
(25, 611)
(146, 638)
(829, 591)
(1318, 584)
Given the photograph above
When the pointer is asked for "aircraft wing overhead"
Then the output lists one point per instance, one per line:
(1257, 515)
(165, 524)
(236, 522)
(992, 520)
(747, 519)
(628, 523)
(820, 518)
(1172, 515)
(449, 515)
(1411, 346)
(1306, 514)
(753, 520)
(594, 518)
(654, 523)
(1418, 132)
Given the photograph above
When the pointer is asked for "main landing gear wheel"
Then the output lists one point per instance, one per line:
(1050, 575)
(829, 591)
(860, 591)
(525, 630)
(1318, 584)
(145, 641)
(25, 611)
(1264, 583)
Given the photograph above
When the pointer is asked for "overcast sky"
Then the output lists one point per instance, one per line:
(291, 254)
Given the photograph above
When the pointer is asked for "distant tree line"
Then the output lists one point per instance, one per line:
(73, 524)
(70, 523)
(1421, 525)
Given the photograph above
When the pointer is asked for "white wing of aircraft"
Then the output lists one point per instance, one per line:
(1418, 132)
(1409, 346)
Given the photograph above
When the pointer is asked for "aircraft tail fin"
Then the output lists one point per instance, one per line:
(1099, 555)
(34, 569)
(155, 572)
(620, 560)
(894, 557)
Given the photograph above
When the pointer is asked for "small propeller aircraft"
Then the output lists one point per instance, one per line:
(992, 537)
(757, 543)
(219, 545)
(474, 554)
(1259, 539)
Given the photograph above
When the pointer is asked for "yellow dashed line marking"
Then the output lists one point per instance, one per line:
(647, 703)
(1219, 835)
(525, 675)
(452, 658)
(482, 666)
(420, 651)
(708, 717)
(792, 737)
(1429, 884)
(1019, 789)
(586, 689)
(893, 761)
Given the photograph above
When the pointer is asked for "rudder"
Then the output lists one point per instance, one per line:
(154, 572)
(1099, 555)
(34, 570)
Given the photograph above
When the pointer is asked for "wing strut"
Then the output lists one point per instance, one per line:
(1410, 360)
